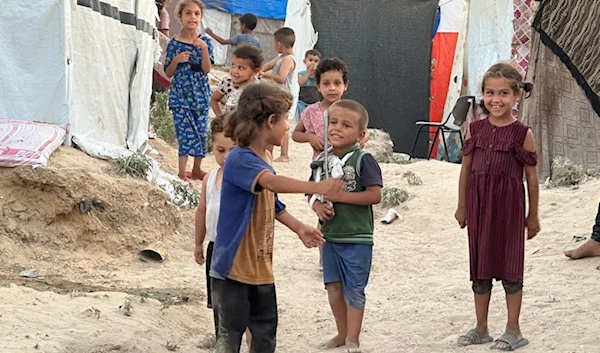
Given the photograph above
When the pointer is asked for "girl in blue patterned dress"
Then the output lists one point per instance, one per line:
(188, 62)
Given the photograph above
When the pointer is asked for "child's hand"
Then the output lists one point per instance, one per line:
(182, 57)
(461, 216)
(533, 226)
(199, 255)
(200, 43)
(316, 143)
(310, 70)
(323, 210)
(311, 237)
(330, 188)
(209, 31)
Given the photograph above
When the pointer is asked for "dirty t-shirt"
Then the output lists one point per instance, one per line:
(243, 249)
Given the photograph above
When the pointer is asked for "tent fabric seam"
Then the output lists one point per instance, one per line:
(113, 12)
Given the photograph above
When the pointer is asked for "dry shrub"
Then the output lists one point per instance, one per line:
(161, 118)
(412, 178)
(392, 196)
(137, 165)
(566, 173)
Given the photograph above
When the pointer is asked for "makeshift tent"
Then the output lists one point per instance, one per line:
(387, 46)
(222, 17)
(85, 64)
(444, 58)
(564, 108)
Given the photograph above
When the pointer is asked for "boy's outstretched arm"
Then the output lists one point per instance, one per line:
(311, 237)
(200, 226)
(269, 65)
(216, 37)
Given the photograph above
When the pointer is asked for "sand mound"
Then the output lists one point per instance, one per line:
(78, 202)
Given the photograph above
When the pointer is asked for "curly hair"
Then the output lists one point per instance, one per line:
(256, 104)
(217, 125)
(332, 64)
(251, 53)
(249, 20)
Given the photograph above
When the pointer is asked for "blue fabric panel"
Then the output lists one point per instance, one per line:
(274, 9)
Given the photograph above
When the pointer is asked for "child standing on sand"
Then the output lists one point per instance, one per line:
(242, 264)
(207, 214)
(245, 65)
(348, 224)
(491, 203)
(188, 61)
(281, 70)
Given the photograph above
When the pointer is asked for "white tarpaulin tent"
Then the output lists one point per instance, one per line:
(82, 63)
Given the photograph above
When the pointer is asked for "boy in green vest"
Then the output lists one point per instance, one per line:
(347, 222)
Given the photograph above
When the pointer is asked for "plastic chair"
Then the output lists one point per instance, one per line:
(459, 112)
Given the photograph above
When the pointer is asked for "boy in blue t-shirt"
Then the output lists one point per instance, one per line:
(347, 219)
(309, 94)
(248, 23)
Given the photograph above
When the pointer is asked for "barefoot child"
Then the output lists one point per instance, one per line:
(188, 61)
(248, 23)
(331, 77)
(591, 247)
(245, 65)
(347, 225)
(491, 203)
(242, 264)
(309, 93)
(281, 70)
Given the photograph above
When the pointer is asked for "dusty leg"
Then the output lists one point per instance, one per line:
(513, 305)
(482, 305)
(285, 145)
(339, 310)
(182, 167)
(591, 247)
(355, 319)
(197, 172)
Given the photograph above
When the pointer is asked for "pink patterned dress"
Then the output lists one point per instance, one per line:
(313, 120)
(496, 200)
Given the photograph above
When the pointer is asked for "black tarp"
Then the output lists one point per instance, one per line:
(387, 46)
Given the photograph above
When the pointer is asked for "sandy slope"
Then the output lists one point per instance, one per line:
(418, 299)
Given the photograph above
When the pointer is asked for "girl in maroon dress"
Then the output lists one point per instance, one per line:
(491, 203)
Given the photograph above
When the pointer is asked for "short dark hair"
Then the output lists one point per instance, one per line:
(332, 64)
(249, 20)
(354, 106)
(256, 104)
(312, 52)
(217, 125)
(285, 36)
(251, 53)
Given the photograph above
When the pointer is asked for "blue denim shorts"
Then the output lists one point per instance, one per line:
(349, 264)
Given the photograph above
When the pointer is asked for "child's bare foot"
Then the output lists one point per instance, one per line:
(589, 249)
(195, 175)
(335, 342)
(352, 347)
(282, 159)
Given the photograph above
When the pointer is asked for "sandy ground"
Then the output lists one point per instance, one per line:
(418, 298)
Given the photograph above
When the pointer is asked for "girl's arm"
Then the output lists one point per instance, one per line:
(200, 231)
(310, 236)
(181, 57)
(286, 67)
(533, 188)
(299, 134)
(463, 181)
(330, 188)
(215, 102)
(371, 196)
(164, 31)
(206, 65)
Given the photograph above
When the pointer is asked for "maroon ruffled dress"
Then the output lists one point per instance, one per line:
(496, 200)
